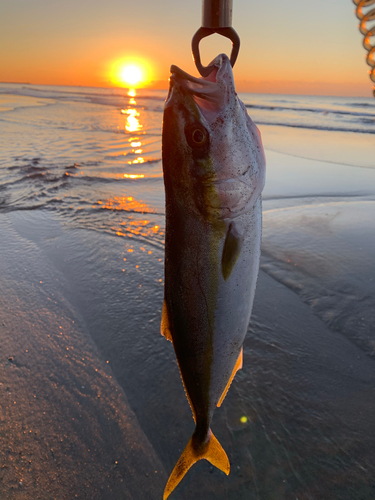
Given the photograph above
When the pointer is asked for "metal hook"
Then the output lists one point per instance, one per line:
(202, 33)
(216, 18)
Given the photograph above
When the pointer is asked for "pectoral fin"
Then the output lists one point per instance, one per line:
(164, 327)
(237, 367)
(231, 251)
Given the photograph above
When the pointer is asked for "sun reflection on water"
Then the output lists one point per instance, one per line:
(144, 228)
(126, 203)
(135, 144)
(132, 123)
(133, 226)
(134, 176)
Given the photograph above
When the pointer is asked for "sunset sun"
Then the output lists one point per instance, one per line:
(130, 72)
(131, 75)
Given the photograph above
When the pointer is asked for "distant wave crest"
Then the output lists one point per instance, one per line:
(317, 127)
(311, 110)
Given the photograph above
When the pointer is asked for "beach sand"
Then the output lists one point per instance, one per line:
(66, 427)
(92, 406)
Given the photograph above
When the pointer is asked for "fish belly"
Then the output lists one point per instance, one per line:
(234, 302)
(208, 314)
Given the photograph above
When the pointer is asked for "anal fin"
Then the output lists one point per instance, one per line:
(164, 327)
(237, 366)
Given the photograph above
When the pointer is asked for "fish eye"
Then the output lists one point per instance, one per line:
(196, 136)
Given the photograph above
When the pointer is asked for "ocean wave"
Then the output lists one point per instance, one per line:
(323, 111)
(316, 127)
(98, 179)
(130, 154)
(131, 210)
(9, 208)
(95, 97)
(361, 105)
(320, 160)
(366, 121)
(115, 94)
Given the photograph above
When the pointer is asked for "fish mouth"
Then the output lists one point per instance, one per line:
(211, 93)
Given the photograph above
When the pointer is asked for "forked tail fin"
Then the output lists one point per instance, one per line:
(211, 451)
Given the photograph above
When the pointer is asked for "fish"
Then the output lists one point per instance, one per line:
(214, 174)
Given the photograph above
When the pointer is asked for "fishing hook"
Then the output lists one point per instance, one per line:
(216, 18)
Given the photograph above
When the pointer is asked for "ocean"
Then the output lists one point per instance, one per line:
(93, 156)
(81, 188)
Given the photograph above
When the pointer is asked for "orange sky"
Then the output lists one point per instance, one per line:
(286, 47)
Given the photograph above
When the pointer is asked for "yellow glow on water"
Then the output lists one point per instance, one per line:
(132, 123)
(134, 176)
(137, 228)
(133, 226)
(127, 175)
(131, 93)
(127, 203)
(136, 144)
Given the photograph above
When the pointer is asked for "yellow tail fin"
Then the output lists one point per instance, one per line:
(212, 451)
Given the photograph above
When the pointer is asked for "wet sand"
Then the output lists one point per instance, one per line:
(69, 431)
(91, 399)
(66, 427)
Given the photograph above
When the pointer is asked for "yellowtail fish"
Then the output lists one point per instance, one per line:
(214, 172)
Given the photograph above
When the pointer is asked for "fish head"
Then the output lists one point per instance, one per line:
(212, 152)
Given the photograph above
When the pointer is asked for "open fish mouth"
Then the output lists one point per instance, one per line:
(211, 93)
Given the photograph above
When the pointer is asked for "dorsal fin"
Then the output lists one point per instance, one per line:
(237, 366)
(231, 251)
